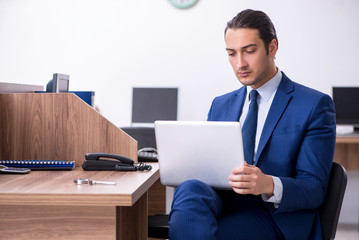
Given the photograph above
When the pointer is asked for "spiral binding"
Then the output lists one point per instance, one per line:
(40, 164)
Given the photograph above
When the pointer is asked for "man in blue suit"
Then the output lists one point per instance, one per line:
(277, 196)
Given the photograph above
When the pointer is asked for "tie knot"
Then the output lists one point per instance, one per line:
(253, 95)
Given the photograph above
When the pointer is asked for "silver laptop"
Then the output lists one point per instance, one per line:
(207, 151)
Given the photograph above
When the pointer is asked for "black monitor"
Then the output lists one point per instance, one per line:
(346, 102)
(145, 136)
(58, 83)
(151, 104)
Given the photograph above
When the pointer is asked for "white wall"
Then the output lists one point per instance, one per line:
(110, 46)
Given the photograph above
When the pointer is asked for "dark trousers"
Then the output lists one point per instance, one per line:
(199, 212)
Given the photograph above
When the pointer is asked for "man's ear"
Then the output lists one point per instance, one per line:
(273, 47)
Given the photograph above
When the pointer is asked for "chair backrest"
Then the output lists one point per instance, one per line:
(330, 209)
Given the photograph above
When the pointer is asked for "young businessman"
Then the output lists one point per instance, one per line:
(278, 194)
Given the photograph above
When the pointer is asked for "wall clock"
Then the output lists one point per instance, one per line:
(182, 4)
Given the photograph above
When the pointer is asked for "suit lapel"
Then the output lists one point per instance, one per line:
(279, 104)
(236, 104)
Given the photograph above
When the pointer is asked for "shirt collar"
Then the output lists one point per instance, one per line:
(269, 88)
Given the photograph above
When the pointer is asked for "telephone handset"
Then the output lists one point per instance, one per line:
(108, 157)
(108, 161)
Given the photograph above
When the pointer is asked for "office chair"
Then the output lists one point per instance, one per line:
(158, 226)
(328, 212)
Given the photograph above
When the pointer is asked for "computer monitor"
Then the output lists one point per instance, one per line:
(346, 103)
(151, 104)
(58, 83)
(145, 136)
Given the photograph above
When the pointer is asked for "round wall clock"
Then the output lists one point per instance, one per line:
(182, 4)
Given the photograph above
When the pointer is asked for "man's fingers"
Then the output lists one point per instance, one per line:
(245, 169)
(240, 177)
(242, 184)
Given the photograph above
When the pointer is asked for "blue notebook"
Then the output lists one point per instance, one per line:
(40, 164)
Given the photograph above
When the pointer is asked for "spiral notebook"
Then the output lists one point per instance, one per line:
(40, 164)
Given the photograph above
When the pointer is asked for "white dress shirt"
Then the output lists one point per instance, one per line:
(265, 97)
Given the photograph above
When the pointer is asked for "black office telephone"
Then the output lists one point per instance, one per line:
(108, 161)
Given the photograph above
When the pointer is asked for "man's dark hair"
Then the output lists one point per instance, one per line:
(255, 20)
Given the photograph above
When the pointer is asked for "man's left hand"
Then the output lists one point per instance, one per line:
(249, 179)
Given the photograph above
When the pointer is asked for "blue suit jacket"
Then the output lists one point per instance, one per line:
(297, 145)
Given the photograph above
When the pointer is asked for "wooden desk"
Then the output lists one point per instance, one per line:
(347, 152)
(49, 205)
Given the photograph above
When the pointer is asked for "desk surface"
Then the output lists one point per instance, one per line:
(58, 187)
(348, 138)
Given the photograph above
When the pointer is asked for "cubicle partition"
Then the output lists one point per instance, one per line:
(57, 126)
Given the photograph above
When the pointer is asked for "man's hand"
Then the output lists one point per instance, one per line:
(249, 179)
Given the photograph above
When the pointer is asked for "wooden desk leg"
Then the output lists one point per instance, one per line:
(132, 221)
(157, 199)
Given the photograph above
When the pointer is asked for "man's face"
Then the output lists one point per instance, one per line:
(248, 56)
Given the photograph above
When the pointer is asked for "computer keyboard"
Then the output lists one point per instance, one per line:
(147, 155)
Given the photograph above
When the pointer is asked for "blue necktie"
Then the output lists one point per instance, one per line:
(249, 128)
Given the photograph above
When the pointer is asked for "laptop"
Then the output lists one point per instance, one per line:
(207, 151)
